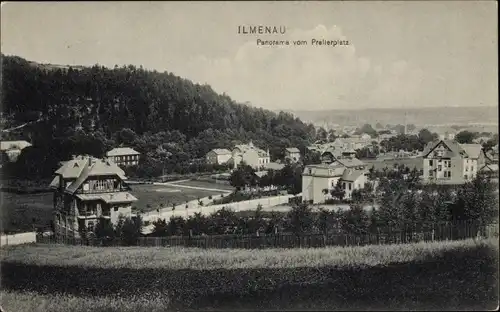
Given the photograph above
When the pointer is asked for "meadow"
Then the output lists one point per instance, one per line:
(412, 276)
(205, 184)
(151, 196)
(20, 210)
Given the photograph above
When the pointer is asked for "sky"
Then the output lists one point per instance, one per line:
(400, 54)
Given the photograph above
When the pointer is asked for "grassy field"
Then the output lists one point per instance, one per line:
(196, 183)
(18, 210)
(34, 302)
(393, 277)
(211, 259)
(151, 196)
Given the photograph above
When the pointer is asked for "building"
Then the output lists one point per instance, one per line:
(11, 150)
(124, 156)
(218, 156)
(351, 172)
(88, 189)
(251, 155)
(292, 153)
(446, 161)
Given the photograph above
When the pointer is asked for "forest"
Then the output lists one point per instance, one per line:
(170, 120)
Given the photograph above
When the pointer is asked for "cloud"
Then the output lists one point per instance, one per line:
(307, 77)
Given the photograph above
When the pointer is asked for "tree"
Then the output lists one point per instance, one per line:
(244, 175)
(301, 219)
(425, 136)
(338, 192)
(130, 230)
(160, 228)
(104, 230)
(356, 220)
(465, 137)
(176, 226)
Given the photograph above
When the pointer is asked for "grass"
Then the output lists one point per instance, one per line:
(151, 196)
(393, 277)
(196, 183)
(18, 210)
(177, 258)
(34, 302)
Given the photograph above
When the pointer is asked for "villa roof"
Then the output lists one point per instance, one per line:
(122, 151)
(292, 150)
(352, 175)
(221, 151)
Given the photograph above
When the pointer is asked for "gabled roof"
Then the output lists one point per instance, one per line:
(331, 150)
(71, 169)
(122, 151)
(473, 150)
(352, 175)
(7, 145)
(84, 167)
(260, 174)
(54, 183)
(221, 151)
(455, 149)
(351, 162)
(292, 150)
(274, 166)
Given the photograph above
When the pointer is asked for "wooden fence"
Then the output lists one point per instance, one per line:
(288, 240)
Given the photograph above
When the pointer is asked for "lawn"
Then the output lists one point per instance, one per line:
(177, 258)
(151, 196)
(416, 276)
(19, 210)
(206, 184)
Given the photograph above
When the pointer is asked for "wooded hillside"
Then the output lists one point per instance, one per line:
(169, 119)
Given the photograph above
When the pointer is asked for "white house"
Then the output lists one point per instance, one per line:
(446, 161)
(12, 149)
(124, 156)
(351, 173)
(218, 156)
(292, 153)
(251, 155)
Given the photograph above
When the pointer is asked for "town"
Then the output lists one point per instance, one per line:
(155, 158)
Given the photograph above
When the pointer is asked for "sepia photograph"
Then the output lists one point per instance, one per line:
(249, 156)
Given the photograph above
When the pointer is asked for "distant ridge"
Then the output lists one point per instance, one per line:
(451, 115)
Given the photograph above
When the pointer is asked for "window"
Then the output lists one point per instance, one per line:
(310, 171)
(466, 168)
(430, 163)
(350, 186)
(431, 173)
(115, 208)
(440, 168)
(449, 164)
(466, 177)
(343, 185)
(472, 168)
